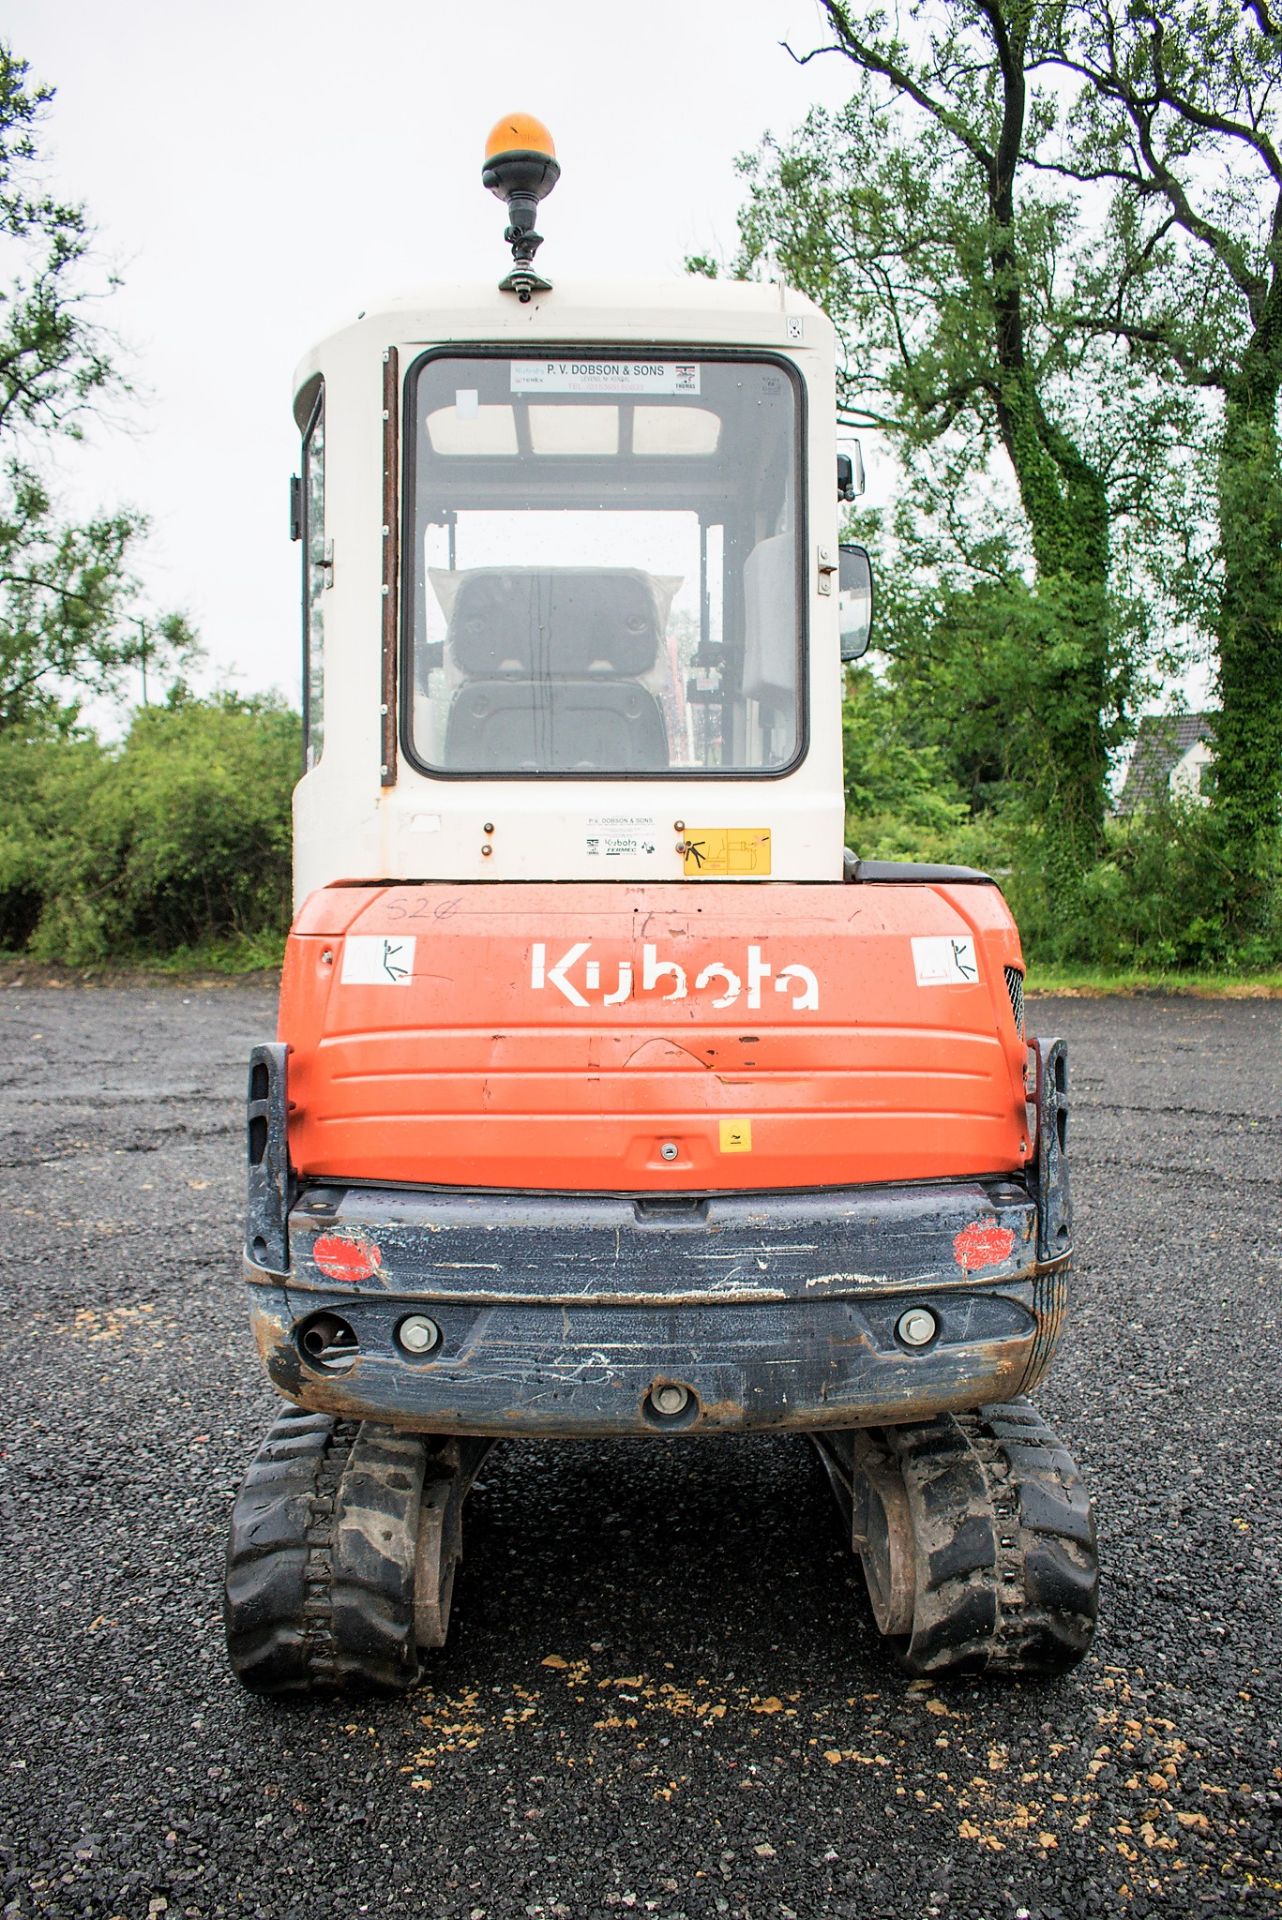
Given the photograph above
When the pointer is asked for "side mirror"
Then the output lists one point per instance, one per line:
(854, 602)
(850, 473)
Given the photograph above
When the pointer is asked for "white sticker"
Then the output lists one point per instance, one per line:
(467, 403)
(616, 835)
(378, 960)
(605, 376)
(796, 327)
(941, 961)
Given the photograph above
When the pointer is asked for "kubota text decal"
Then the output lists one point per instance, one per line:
(576, 976)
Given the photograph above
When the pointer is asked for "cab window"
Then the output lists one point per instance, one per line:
(604, 565)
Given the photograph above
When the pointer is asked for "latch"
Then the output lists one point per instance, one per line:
(828, 564)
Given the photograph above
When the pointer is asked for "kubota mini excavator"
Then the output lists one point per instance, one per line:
(610, 1095)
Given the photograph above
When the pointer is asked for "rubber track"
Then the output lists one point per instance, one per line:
(1007, 1571)
(319, 1589)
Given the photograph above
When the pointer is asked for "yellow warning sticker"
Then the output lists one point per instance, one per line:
(736, 1136)
(718, 850)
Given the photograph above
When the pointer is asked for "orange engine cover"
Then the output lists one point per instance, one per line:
(600, 1037)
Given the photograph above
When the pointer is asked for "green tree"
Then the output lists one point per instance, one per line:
(917, 218)
(70, 615)
(1177, 120)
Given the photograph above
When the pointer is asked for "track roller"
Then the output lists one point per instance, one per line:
(976, 1538)
(344, 1544)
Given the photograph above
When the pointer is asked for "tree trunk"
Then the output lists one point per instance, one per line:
(1248, 740)
(1066, 506)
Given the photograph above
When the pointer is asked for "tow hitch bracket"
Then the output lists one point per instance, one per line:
(270, 1182)
(1050, 1169)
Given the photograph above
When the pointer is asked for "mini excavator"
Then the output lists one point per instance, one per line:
(611, 1094)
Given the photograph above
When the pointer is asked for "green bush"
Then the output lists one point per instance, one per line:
(43, 784)
(900, 801)
(177, 839)
(1153, 904)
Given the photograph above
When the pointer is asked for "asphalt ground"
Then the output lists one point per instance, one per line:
(664, 1694)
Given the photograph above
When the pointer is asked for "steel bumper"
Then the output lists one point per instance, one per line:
(562, 1314)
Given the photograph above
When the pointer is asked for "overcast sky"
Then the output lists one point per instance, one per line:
(259, 173)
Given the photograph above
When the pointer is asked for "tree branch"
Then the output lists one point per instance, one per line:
(1113, 82)
(1091, 176)
(1197, 373)
(47, 586)
(1200, 116)
(864, 55)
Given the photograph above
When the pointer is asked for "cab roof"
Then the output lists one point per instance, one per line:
(675, 310)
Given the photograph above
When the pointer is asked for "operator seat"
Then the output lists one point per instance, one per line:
(552, 659)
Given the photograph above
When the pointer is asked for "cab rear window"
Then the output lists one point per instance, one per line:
(603, 565)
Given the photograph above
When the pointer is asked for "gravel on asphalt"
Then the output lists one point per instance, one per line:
(663, 1693)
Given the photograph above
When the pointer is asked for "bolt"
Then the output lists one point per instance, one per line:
(488, 827)
(418, 1334)
(917, 1327)
(678, 826)
(486, 852)
(670, 1399)
(669, 1150)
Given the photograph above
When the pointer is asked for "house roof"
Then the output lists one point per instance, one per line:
(1161, 742)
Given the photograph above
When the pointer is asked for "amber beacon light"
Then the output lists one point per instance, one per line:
(521, 169)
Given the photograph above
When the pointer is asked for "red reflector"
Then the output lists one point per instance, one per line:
(982, 1244)
(348, 1260)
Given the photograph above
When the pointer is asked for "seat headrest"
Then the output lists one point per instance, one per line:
(575, 622)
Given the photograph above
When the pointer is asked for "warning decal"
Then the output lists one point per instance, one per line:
(941, 960)
(736, 1136)
(722, 850)
(377, 960)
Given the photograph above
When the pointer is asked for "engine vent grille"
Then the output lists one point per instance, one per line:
(1015, 988)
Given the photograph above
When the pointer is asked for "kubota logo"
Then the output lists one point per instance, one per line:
(575, 976)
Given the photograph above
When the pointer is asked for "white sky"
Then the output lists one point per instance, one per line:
(261, 170)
